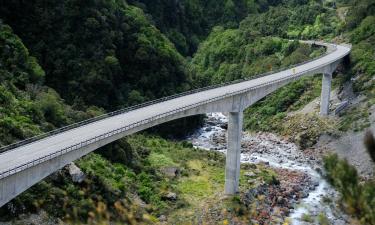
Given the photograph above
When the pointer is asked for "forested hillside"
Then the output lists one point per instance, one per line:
(257, 47)
(65, 61)
(102, 53)
(186, 23)
(27, 106)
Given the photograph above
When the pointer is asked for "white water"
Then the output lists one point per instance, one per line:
(282, 155)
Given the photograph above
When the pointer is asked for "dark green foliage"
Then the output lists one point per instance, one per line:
(229, 54)
(17, 66)
(120, 152)
(187, 22)
(343, 176)
(103, 53)
(370, 144)
(360, 10)
(365, 30)
(302, 21)
(26, 107)
(358, 198)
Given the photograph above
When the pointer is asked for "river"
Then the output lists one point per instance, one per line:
(318, 200)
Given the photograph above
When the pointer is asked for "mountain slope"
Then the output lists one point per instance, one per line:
(102, 53)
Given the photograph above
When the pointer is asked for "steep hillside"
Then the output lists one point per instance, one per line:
(186, 23)
(102, 53)
(358, 195)
(27, 106)
(257, 47)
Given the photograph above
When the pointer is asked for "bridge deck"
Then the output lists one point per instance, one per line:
(46, 146)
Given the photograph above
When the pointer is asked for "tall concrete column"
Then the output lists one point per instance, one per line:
(326, 94)
(232, 167)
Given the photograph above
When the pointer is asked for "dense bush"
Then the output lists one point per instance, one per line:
(302, 21)
(26, 106)
(102, 53)
(187, 22)
(358, 197)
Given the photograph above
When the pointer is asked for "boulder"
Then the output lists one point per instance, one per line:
(162, 218)
(170, 196)
(250, 174)
(76, 173)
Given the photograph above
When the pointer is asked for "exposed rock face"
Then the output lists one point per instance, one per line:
(76, 173)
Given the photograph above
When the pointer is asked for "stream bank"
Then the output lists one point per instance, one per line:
(300, 195)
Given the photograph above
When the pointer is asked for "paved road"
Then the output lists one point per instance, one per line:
(46, 146)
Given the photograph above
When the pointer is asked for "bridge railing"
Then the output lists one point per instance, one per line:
(131, 108)
(153, 118)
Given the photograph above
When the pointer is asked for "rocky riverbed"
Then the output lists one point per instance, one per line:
(299, 195)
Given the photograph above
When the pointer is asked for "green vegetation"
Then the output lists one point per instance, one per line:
(323, 220)
(307, 218)
(358, 197)
(269, 114)
(361, 33)
(187, 22)
(253, 48)
(302, 20)
(305, 129)
(102, 53)
(229, 54)
(26, 106)
(134, 194)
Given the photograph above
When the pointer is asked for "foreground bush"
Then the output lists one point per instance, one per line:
(358, 198)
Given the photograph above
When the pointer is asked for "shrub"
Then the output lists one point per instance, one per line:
(359, 198)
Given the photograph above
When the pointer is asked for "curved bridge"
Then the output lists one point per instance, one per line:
(26, 163)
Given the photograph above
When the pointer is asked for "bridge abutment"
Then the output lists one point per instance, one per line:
(233, 159)
(326, 94)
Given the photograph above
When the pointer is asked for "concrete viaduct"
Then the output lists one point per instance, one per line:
(25, 163)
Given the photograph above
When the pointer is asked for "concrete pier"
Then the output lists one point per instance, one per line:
(232, 168)
(326, 94)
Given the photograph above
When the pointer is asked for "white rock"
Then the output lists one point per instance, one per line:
(76, 173)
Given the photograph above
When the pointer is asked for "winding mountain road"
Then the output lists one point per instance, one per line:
(25, 165)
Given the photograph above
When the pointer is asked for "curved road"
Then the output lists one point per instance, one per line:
(29, 155)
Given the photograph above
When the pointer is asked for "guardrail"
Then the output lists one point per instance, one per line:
(153, 118)
(128, 109)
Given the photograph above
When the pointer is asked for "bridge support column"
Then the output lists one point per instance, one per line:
(232, 167)
(326, 94)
